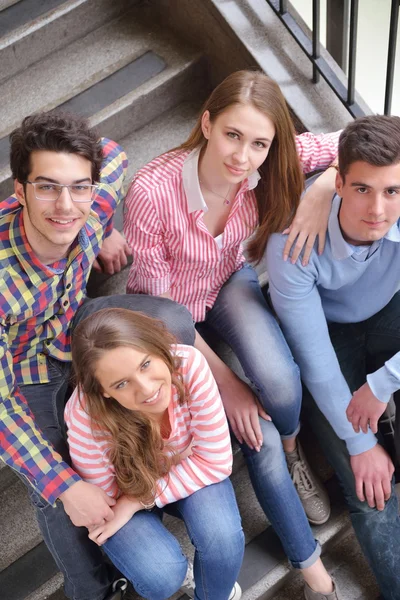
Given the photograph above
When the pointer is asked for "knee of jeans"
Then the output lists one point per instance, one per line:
(179, 321)
(167, 582)
(222, 545)
(281, 383)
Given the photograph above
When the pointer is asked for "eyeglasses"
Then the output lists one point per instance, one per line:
(50, 192)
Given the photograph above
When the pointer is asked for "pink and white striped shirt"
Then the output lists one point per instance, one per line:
(171, 246)
(198, 426)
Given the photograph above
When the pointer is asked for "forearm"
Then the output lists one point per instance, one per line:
(222, 373)
(25, 450)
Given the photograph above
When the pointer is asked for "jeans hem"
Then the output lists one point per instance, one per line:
(304, 564)
(288, 436)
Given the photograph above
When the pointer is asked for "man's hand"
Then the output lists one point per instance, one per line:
(123, 510)
(373, 471)
(87, 504)
(364, 407)
(243, 409)
(113, 254)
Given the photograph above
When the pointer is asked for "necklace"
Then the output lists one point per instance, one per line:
(224, 198)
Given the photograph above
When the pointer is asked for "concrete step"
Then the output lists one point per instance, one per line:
(123, 43)
(33, 29)
(265, 568)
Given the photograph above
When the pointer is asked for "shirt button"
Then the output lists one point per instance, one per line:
(65, 303)
(69, 286)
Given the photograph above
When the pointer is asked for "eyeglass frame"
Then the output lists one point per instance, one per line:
(60, 186)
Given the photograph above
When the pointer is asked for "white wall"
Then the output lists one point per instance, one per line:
(372, 48)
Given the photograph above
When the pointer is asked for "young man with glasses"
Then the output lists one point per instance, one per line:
(67, 186)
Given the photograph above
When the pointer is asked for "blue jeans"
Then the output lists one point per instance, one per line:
(86, 577)
(151, 558)
(362, 348)
(243, 319)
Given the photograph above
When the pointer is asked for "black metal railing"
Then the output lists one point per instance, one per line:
(348, 35)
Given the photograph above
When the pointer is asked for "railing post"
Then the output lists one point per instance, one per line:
(394, 21)
(352, 51)
(337, 27)
(283, 6)
(316, 13)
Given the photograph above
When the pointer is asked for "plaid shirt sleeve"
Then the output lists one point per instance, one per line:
(110, 191)
(22, 445)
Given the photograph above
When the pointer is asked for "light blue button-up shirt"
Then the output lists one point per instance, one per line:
(342, 285)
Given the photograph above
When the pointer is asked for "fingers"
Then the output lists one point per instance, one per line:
(387, 488)
(261, 411)
(308, 248)
(293, 233)
(110, 501)
(360, 489)
(369, 494)
(235, 429)
(298, 247)
(109, 515)
(97, 267)
(379, 496)
(127, 249)
(363, 423)
(247, 432)
(373, 425)
(256, 428)
(321, 241)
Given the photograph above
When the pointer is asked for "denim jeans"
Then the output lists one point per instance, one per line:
(361, 348)
(243, 319)
(86, 577)
(151, 557)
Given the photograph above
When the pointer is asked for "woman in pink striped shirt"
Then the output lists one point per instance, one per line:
(147, 425)
(188, 213)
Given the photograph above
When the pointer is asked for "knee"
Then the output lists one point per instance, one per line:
(271, 455)
(178, 321)
(164, 583)
(281, 383)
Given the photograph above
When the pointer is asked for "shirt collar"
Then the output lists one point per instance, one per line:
(340, 248)
(191, 184)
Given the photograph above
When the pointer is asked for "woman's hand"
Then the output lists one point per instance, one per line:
(243, 410)
(124, 510)
(311, 219)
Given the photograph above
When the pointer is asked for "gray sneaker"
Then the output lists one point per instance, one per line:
(309, 594)
(312, 493)
(188, 585)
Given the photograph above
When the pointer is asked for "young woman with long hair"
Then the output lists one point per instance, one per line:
(188, 212)
(146, 423)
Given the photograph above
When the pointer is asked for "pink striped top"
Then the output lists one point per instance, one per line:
(199, 431)
(172, 248)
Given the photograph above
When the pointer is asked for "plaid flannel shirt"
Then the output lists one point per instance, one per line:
(37, 304)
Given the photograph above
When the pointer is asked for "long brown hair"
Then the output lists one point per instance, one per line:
(279, 189)
(136, 447)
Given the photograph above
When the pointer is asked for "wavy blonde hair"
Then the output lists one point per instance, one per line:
(279, 189)
(136, 447)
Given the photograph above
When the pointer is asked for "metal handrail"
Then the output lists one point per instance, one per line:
(311, 48)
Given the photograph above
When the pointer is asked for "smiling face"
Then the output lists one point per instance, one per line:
(370, 201)
(138, 381)
(238, 142)
(51, 227)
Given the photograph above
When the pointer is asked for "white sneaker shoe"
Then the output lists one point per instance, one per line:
(188, 585)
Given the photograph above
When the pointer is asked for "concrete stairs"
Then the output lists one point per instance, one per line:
(140, 85)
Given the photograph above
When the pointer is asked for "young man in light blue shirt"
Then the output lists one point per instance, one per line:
(341, 317)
